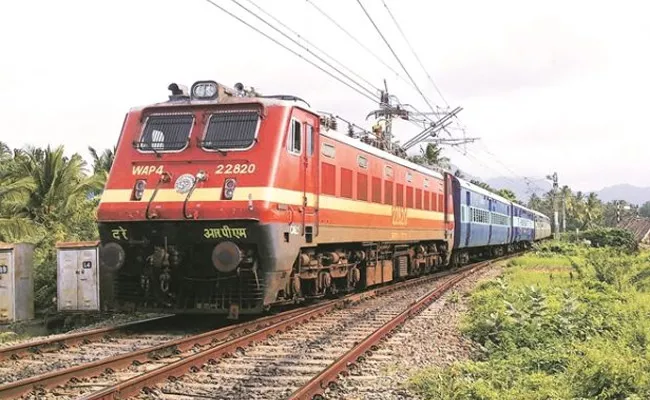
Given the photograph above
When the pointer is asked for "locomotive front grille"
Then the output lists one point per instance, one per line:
(243, 290)
(196, 294)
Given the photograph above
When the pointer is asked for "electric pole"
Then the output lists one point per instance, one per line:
(556, 225)
(563, 212)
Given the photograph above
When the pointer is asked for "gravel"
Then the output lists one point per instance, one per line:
(432, 338)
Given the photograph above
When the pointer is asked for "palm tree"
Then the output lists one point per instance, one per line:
(567, 204)
(14, 192)
(433, 155)
(593, 210)
(60, 183)
(102, 166)
(103, 162)
(507, 194)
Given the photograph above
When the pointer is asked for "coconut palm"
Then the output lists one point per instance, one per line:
(60, 183)
(593, 211)
(102, 166)
(14, 193)
(507, 194)
(433, 155)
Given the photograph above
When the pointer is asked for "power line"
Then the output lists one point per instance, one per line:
(312, 45)
(414, 53)
(374, 100)
(303, 46)
(395, 55)
(363, 46)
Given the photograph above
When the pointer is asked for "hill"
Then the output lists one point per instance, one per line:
(630, 193)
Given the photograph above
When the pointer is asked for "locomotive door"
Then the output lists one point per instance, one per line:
(311, 178)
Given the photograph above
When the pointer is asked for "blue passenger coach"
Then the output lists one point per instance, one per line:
(487, 224)
(523, 225)
(483, 221)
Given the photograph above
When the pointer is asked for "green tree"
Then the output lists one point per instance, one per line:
(507, 194)
(482, 184)
(432, 155)
(644, 210)
(101, 166)
(14, 192)
(593, 211)
(60, 184)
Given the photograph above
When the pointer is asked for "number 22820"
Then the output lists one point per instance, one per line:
(235, 169)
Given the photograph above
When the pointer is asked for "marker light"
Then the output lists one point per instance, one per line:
(229, 188)
(138, 189)
(205, 90)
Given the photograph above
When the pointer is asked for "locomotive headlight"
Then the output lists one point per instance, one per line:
(226, 257)
(111, 256)
(204, 90)
(229, 188)
(138, 189)
(184, 183)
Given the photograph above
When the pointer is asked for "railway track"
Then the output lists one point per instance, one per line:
(287, 350)
(36, 357)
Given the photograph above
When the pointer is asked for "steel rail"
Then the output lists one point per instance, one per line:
(15, 351)
(316, 386)
(192, 363)
(251, 331)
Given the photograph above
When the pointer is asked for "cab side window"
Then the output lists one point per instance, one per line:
(294, 143)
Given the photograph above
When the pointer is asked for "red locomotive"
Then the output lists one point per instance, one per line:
(222, 200)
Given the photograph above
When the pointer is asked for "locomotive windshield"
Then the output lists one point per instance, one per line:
(231, 130)
(165, 133)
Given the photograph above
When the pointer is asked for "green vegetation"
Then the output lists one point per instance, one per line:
(569, 321)
(47, 197)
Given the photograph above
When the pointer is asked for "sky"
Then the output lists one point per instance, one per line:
(547, 86)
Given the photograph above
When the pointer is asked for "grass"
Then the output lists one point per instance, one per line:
(567, 322)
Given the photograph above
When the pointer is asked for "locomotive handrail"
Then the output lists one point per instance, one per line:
(200, 177)
(164, 178)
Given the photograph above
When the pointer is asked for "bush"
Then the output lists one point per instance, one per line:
(567, 337)
(611, 237)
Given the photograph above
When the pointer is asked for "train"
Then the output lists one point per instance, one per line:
(221, 200)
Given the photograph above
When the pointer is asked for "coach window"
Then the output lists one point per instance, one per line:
(294, 143)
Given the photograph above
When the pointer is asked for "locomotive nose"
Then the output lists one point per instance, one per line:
(226, 256)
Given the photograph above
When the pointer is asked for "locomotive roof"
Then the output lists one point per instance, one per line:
(380, 153)
(266, 102)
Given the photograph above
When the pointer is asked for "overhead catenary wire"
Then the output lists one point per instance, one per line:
(285, 26)
(426, 100)
(399, 28)
(371, 98)
(305, 48)
(363, 46)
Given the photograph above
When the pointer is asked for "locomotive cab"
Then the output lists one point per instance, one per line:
(199, 200)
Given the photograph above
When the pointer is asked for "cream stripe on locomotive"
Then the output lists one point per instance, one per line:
(276, 195)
